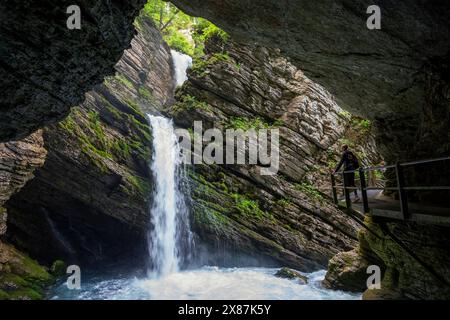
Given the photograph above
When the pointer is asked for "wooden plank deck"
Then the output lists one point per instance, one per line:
(381, 206)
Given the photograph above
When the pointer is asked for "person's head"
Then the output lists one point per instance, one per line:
(344, 147)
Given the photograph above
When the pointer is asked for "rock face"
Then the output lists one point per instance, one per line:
(414, 260)
(20, 276)
(90, 200)
(396, 75)
(287, 273)
(18, 160)
(240, 216)
(46, 68)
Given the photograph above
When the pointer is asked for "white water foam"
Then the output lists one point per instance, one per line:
(210, 283)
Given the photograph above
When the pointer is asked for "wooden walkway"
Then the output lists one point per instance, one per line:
(387, 207)
(373, 202)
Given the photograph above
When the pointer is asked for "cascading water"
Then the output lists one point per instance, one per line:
(169, 214)
(181, 63)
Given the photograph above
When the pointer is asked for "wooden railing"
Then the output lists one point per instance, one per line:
(401, 188)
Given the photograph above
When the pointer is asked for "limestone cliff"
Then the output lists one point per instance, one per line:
(240, 215)
(20, 276)
(46, 68)
(414, 260)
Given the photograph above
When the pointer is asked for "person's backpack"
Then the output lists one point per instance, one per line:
(353, 160)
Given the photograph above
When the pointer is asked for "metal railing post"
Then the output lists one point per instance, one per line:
(402, 192)
(362, 178)
(333, 188)
(348, 203)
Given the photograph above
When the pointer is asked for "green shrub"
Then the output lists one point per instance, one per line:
(248, 207)
(177, 41)
(253, 123)
(146, 94)
(200, 65)
(123, 80)
(309, 190)
(191, 103)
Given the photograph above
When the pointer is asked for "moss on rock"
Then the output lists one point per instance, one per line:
(21, 278)
(287, 273)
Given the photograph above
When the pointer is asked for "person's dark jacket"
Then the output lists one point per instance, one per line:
(345, 160)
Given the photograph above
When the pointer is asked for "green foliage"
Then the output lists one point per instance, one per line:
(283, 202)
(200, 64)
(309, 190)
(362, 125)
(192, 103)
(346, 141)
(345, 114)
(171, 22)
(249, 208)
(139, 185)
(254, 123)
(146, 94)
(95, 125)
(165, 15)
(379, 174)
(174, 26)
(179, 42)
(58, 268)
(123, 80)
(134, 106)
(205, 30)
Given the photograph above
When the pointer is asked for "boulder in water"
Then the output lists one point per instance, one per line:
(287, 273)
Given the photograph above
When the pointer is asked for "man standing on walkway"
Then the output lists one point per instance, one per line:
(350, 162)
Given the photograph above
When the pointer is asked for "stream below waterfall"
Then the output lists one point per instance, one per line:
(170, 241)
(204, 284)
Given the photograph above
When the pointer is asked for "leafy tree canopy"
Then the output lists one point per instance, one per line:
(182, 32)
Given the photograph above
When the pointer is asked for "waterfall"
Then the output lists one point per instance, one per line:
(170, 239)
(181, 63)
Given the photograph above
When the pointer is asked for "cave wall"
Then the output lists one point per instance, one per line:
(20, 276)
(46, 68)
(414, 260)
(389, 75)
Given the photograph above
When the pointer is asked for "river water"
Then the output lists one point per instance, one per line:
(207, 283)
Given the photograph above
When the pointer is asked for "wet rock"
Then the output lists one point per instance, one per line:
(18, 160)
(47, 68)
(418, 272)
(58, 268)
(21, 278)
(347, 271)
(287, 273)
